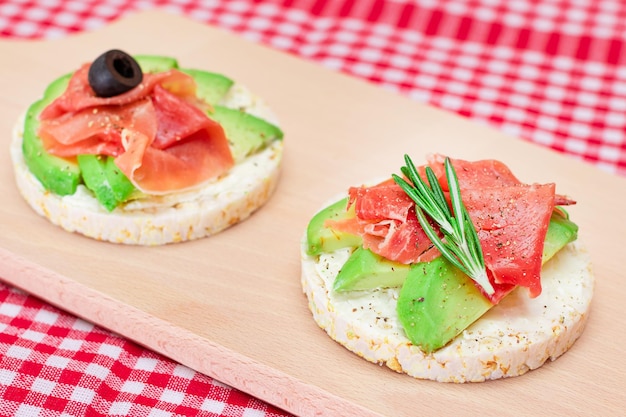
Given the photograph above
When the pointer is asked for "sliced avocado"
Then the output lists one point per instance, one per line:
(246, 133)
(100, 175)
(123, 188)
(56, 88)
(321, 238)
(366, 270)
(58, 175)
(211, 86)
(561, 231)
(438, 301)
(155, 63)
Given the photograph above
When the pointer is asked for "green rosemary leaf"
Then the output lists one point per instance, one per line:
(438, 195)
(474, 242)
(434, 238)
(460, 243)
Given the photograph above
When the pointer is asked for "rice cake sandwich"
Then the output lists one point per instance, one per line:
(137, 150)
(454, 271)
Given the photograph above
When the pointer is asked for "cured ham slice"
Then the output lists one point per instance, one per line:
(511, 219)
(161, 137)
(386, 219)
(93, 130)
(79, 95)
(512, 223)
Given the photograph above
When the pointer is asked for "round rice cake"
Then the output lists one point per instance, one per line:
(170, 218)
(517, 335)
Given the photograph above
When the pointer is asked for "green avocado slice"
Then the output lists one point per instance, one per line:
(58, 175)
(155, 63)
(109, 185)
(246, 134)
(321, 238)
(365, 270)
(211, 86)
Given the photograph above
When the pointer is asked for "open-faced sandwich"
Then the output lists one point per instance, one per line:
(452, 271)
(137, 150)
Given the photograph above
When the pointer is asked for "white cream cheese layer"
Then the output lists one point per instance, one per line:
(514, 337)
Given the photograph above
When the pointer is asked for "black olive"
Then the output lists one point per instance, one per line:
(113, 73)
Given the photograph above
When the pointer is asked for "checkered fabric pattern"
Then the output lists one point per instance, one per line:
(550, 72)
(54, 364)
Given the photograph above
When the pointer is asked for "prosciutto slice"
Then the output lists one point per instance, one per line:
(386, 220)
(511, 219)
(158, 132)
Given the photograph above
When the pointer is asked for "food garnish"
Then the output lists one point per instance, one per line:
(113, 73)
(460, 244)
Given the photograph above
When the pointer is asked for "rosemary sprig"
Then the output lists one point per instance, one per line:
(460, 244)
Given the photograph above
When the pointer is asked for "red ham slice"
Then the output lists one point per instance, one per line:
(161, 137)
(386, 220)
(79, 95)
(511, 218)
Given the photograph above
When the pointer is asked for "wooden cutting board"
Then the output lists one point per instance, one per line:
(231, 306)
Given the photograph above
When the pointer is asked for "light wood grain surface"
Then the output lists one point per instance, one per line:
(231, 305)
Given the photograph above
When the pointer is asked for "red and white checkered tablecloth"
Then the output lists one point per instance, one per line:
(551, 72)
